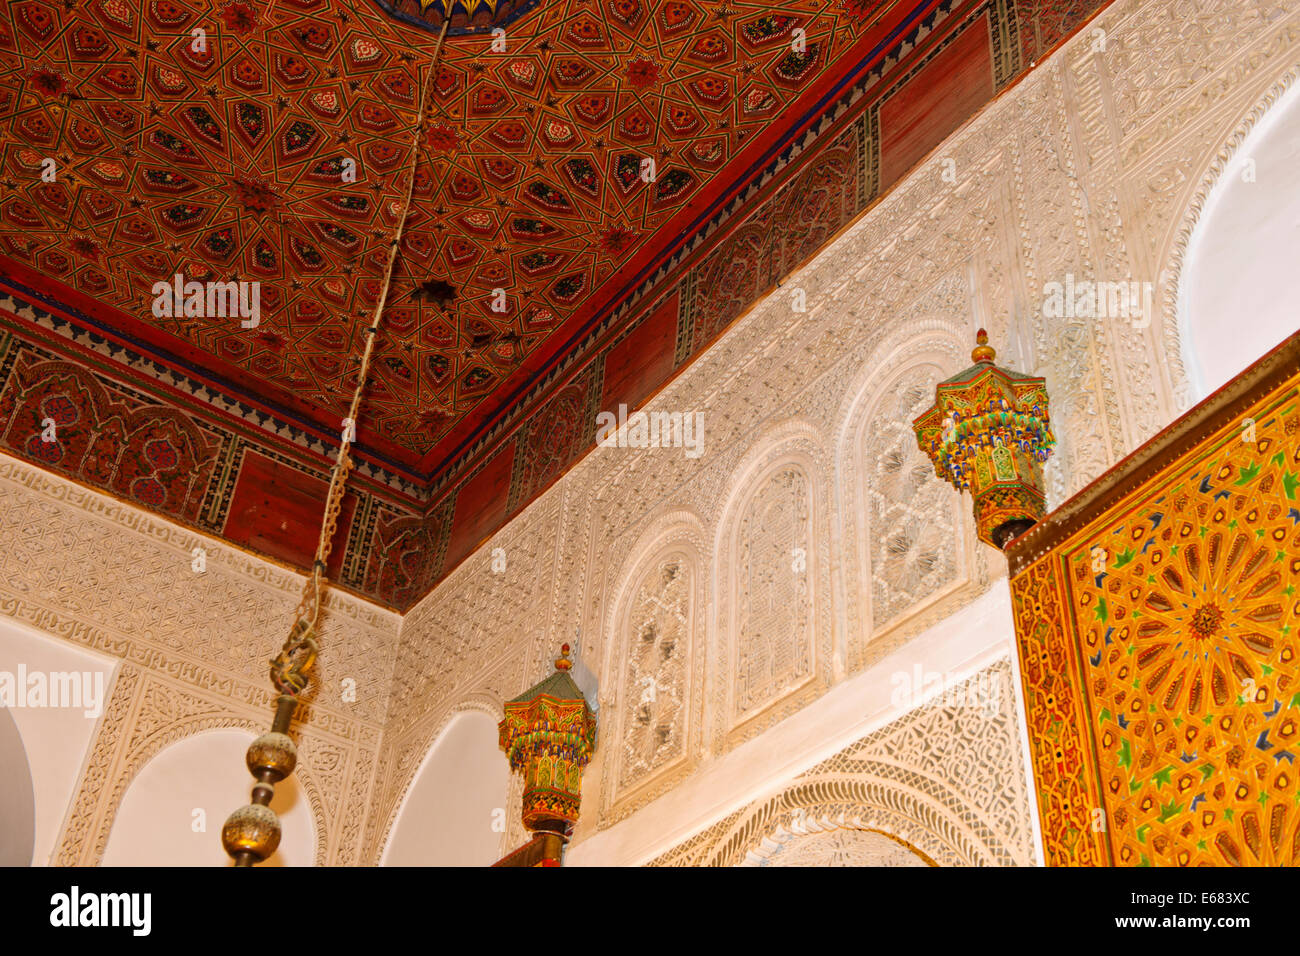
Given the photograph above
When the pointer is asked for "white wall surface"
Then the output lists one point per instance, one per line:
(454, 811)
(156, 824)
(977, 635)
(17, 805)
(56, 739)
(1240, 292)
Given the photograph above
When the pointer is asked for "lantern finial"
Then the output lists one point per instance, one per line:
(983, 352)
(988, 433)
(548, 733)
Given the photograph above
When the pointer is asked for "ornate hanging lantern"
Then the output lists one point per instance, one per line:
(989, 433)
(548, 734)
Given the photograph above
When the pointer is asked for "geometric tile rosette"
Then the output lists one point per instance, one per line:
(1158, 647)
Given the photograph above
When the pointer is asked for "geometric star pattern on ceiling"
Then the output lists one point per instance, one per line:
(275, 151)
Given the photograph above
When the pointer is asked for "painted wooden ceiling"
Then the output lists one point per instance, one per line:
(233, 164)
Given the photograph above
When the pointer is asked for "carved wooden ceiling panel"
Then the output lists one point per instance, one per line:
(276, 154)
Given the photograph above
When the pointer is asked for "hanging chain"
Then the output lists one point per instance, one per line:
(289, 669)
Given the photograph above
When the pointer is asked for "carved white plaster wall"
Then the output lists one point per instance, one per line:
(58, 735)
(1088, 167)
(945, 778)
(772, 645)
(913, 518)
(827, 843)
(192, 647)
(652, 716)
(905, 536)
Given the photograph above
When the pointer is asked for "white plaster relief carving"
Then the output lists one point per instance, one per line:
(827, 843)
(946, 779)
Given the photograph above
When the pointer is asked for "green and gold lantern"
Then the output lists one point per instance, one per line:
(989, 433)
(548, 734)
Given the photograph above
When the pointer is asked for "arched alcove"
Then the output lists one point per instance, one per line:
(770, 624)
(158, 823)
(456, 806)
(912, 522)
(835, 846)
(655, 664)
(53, 741)
(772, 645)
(1239, 284)
(17, 797)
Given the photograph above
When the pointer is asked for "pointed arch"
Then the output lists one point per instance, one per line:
(423, 740)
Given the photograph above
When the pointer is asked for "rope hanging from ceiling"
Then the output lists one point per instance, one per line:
(252, 833)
